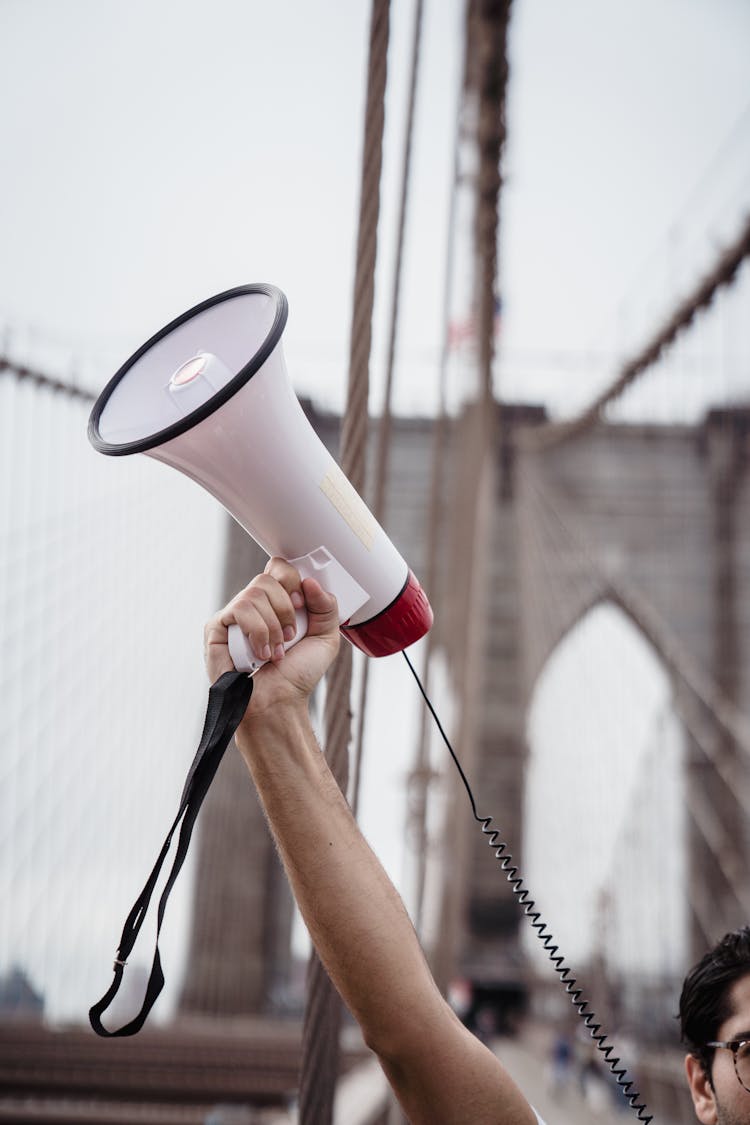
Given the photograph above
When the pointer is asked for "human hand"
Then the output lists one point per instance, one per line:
(265, 611)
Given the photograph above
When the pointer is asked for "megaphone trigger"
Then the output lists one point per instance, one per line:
(335, 579)
(328, 571)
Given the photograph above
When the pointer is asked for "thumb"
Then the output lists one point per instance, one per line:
(321, 607)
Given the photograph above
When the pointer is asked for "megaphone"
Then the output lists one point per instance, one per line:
(209, 395)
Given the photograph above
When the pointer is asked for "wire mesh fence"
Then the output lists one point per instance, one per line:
(107, 570)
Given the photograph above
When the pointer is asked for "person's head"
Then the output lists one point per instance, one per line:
(715, 1008)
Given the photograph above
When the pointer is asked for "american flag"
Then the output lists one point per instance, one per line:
(463, 330)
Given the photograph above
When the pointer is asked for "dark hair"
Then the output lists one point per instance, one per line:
(704, 1003)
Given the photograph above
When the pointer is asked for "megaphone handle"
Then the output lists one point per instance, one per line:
(241, 652)
(319, 564)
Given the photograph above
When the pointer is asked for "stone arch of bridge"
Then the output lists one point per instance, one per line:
(616, 765)
(599, 595)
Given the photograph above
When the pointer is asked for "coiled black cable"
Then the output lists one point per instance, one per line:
(529, 908)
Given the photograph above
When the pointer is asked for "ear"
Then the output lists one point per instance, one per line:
(701, 1090)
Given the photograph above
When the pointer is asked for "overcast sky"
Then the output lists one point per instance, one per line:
(157, 153)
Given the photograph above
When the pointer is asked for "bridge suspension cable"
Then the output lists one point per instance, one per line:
(25, 373)
(320, 1038)
(722, 273)
(382, 453)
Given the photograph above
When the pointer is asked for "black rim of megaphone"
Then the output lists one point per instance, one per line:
(216, 400)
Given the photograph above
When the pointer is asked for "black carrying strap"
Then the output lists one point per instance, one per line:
(227, 701)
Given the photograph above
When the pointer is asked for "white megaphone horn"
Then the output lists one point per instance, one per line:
(209, 394)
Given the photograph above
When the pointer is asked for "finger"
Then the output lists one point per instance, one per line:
(288, 577)
(264, 612)
(322, 608)
(244, 613)
(215, 651)
(281, 599)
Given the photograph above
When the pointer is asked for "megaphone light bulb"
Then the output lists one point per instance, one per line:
(203, 366)
(189, 371)
(196, 380)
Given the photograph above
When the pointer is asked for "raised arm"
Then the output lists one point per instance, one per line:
(441, 1074)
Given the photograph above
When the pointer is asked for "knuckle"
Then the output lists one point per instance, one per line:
(275, 564)
(283, 572)
(249, 597)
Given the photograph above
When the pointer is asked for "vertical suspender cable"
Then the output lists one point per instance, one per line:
(384, 429)
(487, 69)
(320, 1041)
(420, 776)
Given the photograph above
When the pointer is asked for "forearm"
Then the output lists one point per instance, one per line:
(440, 1072)
(360, 928)
(355, 917)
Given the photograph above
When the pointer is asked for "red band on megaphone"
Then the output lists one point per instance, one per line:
(402, 623)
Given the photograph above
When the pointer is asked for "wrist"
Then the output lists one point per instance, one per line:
(284, 726)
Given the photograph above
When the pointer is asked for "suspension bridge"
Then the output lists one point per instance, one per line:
(543, 539)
